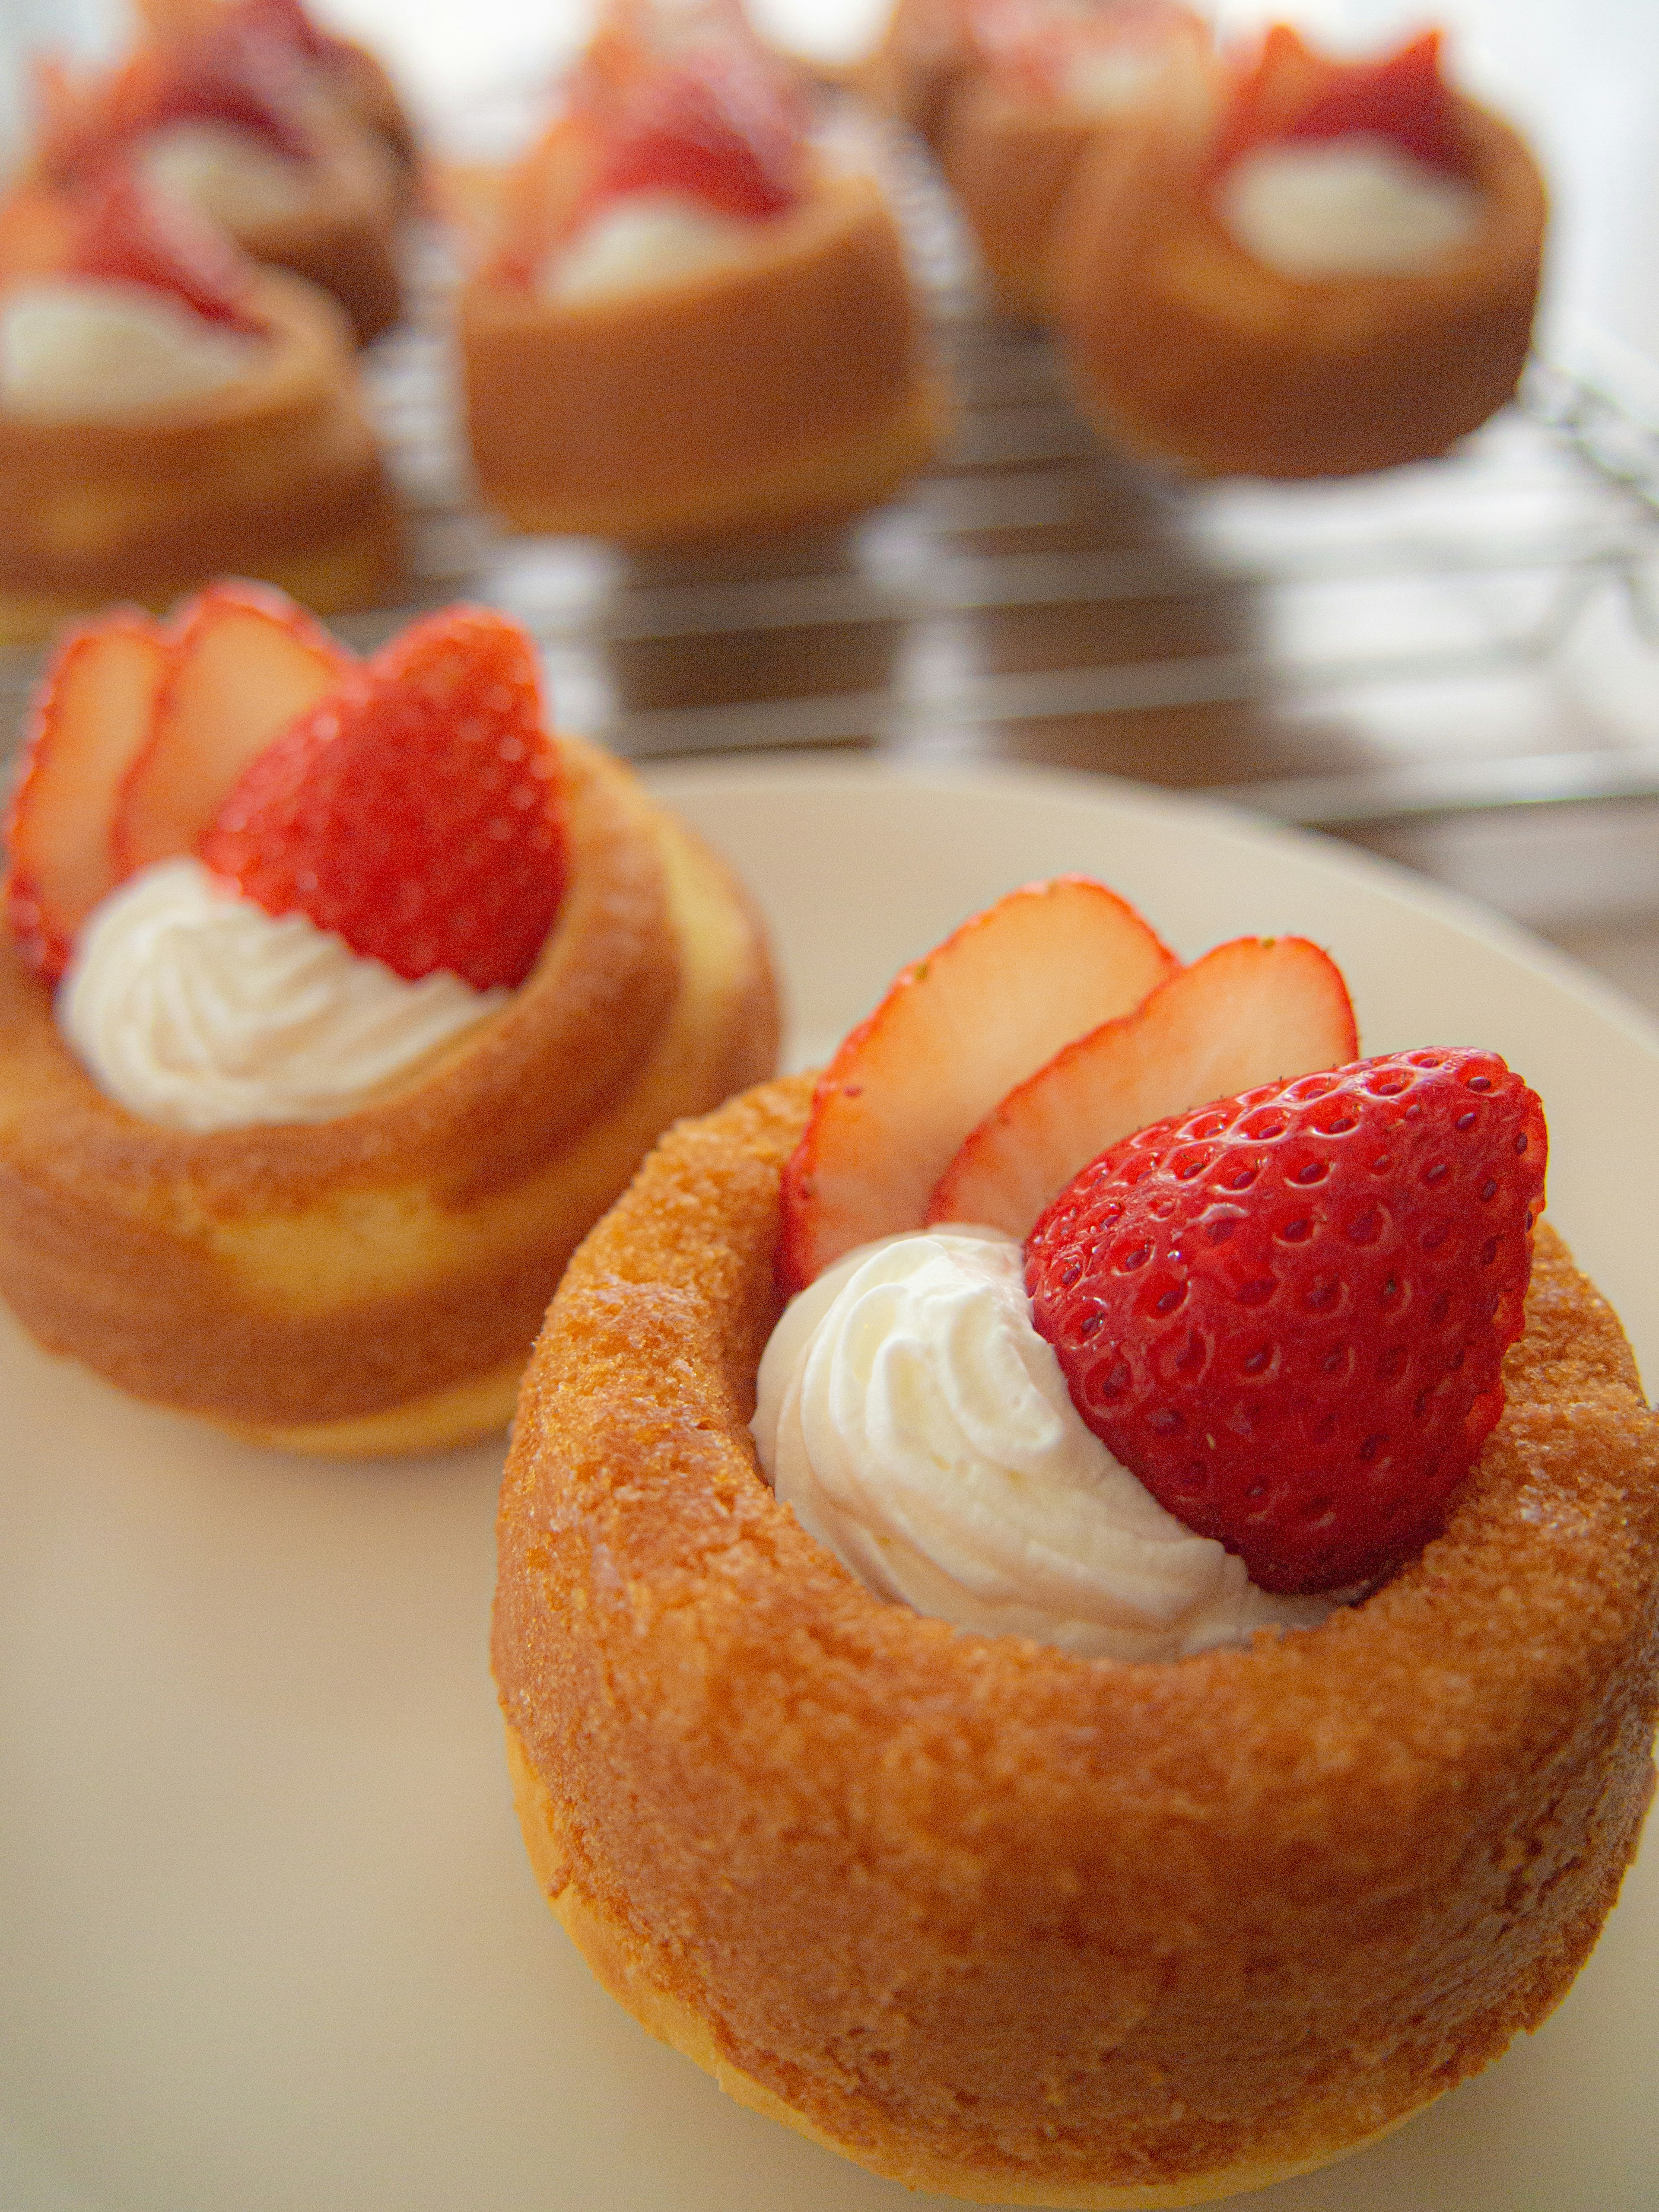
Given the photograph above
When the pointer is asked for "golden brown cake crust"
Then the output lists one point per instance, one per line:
(285, 1276)
(1182, 346)
(990, 1917)
(273, 478)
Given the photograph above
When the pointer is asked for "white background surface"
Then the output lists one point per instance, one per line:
(268, 1939)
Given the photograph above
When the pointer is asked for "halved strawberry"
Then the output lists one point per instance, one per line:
(953, 1036)
(1287, 1312)
(127, 234)
(1255, 1010)
(247, 660)
(416, 811)
(91, 717)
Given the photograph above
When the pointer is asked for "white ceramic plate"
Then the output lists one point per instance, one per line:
(268, 1941)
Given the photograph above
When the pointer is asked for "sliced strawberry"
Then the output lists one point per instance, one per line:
(1293, 94)
(1287, 1312)
(1403, 98)
(247, 661)
(1033, 46)
(715, 132)
(130, 234)
(235, 72)
(953, 1036)
(225, 72)
(91, 716)
(416, 811)
(1253, 1012)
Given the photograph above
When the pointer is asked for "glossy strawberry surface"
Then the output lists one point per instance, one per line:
(416, 810)
(1287, 1312)
(1293, 95)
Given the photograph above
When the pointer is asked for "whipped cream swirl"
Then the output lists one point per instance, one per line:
(79, 348)
(921, 1430)
(1355, 206)
(642, 240)
(195, 1008)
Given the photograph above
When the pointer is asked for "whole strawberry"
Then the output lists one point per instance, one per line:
(416, 811)
(1287, 1312)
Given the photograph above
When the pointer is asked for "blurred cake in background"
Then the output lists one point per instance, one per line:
(1325, 267)
(168, 409)
(683, 318)
(222, 107)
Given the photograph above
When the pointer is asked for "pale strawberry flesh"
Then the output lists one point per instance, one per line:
(953, 1036)
(1248, 1013)
(247, 661)
(92, 716)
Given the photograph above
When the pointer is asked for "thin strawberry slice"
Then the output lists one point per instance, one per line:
(1255, 1010)
(127, 234)
(226, 73)
(954, 1035)
(416, 812)
(247, 661)
(1294, 93)
(714, 133)
(235, 72)
(92, 715)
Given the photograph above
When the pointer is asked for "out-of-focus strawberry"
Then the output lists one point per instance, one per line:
(954, 1035)
(1287, 1312)
(92, 716)
(127, 234)
(246, 662)
(1252, 1012)
(1293, 95)
(715, 132)
(416, 811)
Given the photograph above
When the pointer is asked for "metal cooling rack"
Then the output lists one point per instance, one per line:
(1481, 633)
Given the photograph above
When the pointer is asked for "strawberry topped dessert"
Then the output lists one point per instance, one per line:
(1052, 82)
(1165, 1686)
(683, 319)
(369, 992)
(167, 408)
(224, 109)
(1322, 267)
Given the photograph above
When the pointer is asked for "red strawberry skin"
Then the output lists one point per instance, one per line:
(1286, 1313)
(416, 812)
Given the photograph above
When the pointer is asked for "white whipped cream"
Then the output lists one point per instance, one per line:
(192, 1007)
(231, 175)
(921, 1430)
(1106, 81)
(1356, 206)
(642, 241)
(80, 349)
